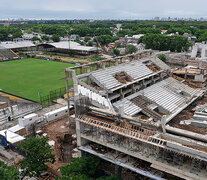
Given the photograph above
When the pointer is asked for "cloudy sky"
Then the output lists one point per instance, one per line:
(102, 9)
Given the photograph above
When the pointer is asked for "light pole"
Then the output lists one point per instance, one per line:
(68, 39)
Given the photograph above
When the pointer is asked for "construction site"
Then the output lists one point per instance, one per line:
(137, 114)
(142, 118)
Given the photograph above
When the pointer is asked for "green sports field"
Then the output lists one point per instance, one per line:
(27, 77)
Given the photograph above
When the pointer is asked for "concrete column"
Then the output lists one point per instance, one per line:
(96, 66)
(118, 171)
(78, 137)
(133, 89)
(67, 74)
(103, 65)
(163, 122)
(109, 63)
(88, 69)
(81, 70)
(121, 110)
(121, 94)
(78, 133)
(185, 77)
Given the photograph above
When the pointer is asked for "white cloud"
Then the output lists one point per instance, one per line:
(102, 8)
(179, 12)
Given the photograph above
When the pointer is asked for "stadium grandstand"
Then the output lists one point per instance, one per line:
(17, 46)
(7, 54)
(65, 46)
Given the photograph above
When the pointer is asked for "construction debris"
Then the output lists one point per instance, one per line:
(142, 113)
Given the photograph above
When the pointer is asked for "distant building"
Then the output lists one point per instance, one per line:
(156, 18)
(163, 31)
(128, 39)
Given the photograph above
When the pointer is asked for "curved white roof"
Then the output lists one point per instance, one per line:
(13, 45)
(73, 45)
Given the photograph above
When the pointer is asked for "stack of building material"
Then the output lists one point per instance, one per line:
(200, 118)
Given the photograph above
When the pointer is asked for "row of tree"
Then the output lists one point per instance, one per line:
(38, 154)
(165, 43)
(84, 168)
(99, 28)
(9, 33)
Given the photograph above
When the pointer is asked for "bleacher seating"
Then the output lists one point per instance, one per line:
(7, 54)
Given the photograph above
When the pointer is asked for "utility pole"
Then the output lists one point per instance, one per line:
(68, 39)
(68, 97)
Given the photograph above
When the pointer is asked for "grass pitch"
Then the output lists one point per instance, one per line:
(27, 77)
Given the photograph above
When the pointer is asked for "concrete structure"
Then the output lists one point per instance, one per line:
(199, 51)
(56, 114)
(128, 39)
(66, 46)
(12, 137)
(14, 107)
(7, 54)
(15, 46)
(197, 75)
(28, 119)
(200, 117)
(128, 122)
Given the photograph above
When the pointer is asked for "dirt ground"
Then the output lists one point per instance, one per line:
(67, 59)
(53, 130)
(187, 114)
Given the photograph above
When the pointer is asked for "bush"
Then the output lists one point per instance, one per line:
(84, 168)
(56, 38)
(162, 57)
(130, 49)
(165, 43)
(35, 38)
(96, 57)
(116, 52)
(20, 53)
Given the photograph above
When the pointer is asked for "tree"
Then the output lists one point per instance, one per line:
(86, 39)
(112, 177)
(8, 172)
(81, 31)
(165, 43)
(131, 49)
(118, 44)
(105, 39)
(38, 154)
(103, 31)
(90, 43)
(17, 34)
(96, 57)
(75, 177)
(162, 57)
(124, 32)
(35, 38)
(84, 166)
(20, 52)
(202, 37)
(116, 52)
(45, 38)
(56, 38)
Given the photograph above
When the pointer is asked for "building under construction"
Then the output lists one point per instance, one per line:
(129, 112)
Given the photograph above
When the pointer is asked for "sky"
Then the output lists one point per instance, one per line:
(102, 9)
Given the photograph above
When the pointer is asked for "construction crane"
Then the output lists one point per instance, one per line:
(102, 49)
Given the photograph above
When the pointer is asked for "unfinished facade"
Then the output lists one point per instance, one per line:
(192, 74)
(123, 108)
(12, 107)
